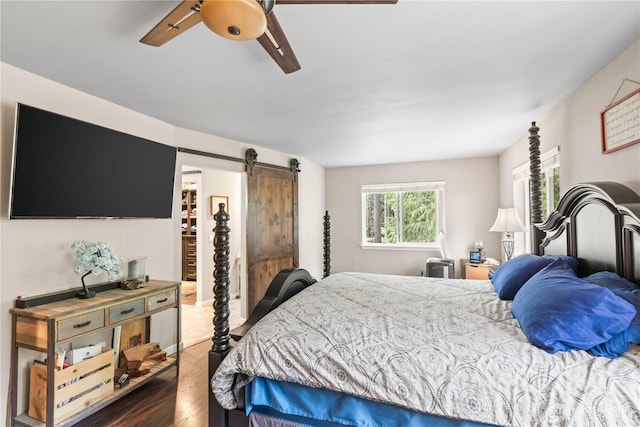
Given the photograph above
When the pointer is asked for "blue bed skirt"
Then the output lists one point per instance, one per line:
(322, 408)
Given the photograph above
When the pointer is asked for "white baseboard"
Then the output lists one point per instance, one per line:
(172, 349)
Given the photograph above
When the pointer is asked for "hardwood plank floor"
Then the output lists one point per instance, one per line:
(188, 292)
(165, 401)
(197, 322)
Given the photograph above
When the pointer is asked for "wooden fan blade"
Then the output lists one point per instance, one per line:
(179, 20)
(277, 46)
(279, 2)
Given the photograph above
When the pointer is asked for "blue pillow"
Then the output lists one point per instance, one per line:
(560, 312)
(510, 277)
(573, 262)
(610, 280)
(619, 343)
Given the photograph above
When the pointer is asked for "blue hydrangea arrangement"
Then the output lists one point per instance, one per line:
(95, 258)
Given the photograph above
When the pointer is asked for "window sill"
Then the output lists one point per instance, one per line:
(400, 247)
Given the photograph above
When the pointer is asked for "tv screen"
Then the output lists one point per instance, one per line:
(67, 168)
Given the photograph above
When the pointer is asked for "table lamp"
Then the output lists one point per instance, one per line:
(508, 221)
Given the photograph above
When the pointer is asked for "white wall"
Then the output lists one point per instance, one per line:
(476, 189)
(36, 255)
(311, 208)
(471, 204)
(224, 184)
(575, 127)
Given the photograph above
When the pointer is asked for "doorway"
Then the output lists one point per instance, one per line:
(202, 188)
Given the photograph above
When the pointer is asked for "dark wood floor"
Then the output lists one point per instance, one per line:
(166, 400)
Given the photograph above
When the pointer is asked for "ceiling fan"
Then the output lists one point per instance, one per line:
(238, 20)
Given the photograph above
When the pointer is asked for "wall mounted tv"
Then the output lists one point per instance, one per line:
(67, 168)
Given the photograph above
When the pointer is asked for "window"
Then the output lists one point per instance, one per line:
(550, 190)
(402, 215)
(550, 180)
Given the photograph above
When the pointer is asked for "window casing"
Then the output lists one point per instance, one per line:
(406, 215)
(550, 180)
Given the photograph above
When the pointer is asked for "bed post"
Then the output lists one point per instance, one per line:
(535, 190)
(327, 244)
(221, 338)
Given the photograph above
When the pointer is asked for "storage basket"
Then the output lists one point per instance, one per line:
(76, 387)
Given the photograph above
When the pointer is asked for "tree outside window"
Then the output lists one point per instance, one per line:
(550, 179)
(402, 214)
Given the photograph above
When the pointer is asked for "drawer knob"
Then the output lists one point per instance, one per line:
(123, 312)
(160, 301)
(82, 325)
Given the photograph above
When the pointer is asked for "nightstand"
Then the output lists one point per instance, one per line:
(476, 271)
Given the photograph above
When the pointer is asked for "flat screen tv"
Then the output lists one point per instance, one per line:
(67, 168)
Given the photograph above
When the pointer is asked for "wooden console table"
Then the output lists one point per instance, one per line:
(46, 326)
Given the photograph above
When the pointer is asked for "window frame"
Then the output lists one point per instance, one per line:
(437, 186)
(549, 160)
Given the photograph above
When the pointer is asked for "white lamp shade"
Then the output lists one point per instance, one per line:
(507, 220)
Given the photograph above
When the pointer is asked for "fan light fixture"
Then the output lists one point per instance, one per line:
(507, 222)
(236, 19)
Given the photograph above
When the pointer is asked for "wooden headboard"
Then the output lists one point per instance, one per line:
(599, 223)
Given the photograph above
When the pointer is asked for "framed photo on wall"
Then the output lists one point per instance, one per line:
(620, 123)
(215, 201)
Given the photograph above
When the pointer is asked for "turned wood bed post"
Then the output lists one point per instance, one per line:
(221, 338)
(221, 231)
(535, 188)
(327, 244)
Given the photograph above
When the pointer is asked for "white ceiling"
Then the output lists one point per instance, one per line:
(419, 80)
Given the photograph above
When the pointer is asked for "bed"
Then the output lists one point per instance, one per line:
(380, 350)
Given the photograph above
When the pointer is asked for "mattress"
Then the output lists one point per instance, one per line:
(444, 347)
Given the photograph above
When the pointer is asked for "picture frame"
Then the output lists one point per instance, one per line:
(620, 123)
(215, 201)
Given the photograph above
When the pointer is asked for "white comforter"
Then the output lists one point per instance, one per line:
(444, 347)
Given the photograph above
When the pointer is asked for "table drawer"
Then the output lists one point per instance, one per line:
(79, 325)
(121, 312)
(168, 298)
(477, 272)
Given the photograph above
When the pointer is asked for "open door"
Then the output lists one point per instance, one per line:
(272, 228)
